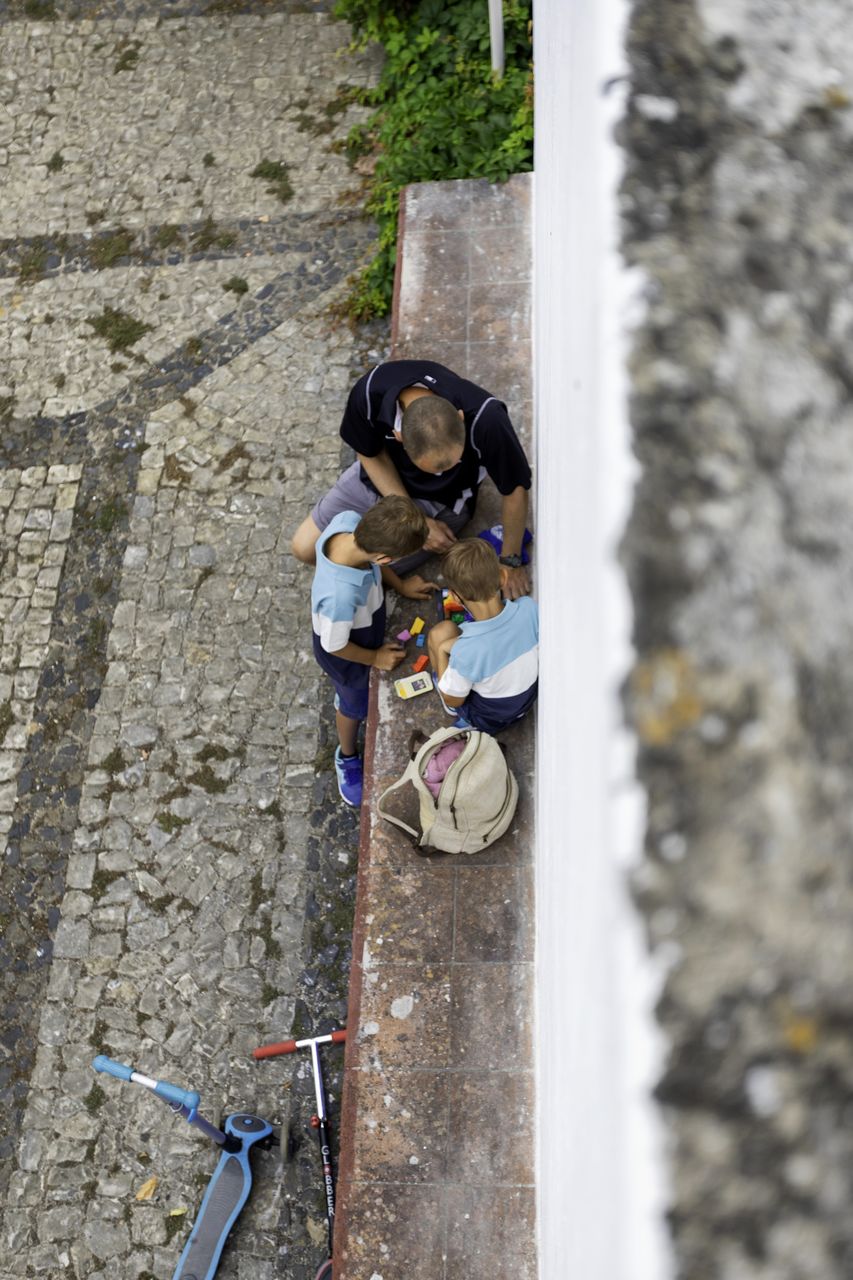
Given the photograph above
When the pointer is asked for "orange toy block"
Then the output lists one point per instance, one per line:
(422, 662)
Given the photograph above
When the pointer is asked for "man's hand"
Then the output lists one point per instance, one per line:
(440, 537)
(388, 656)
(414, 588)
(516, 583)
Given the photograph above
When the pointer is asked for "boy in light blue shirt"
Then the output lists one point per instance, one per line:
(348, 613)
(487, 671)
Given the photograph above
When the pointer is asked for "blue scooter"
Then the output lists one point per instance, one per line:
(229, 1187)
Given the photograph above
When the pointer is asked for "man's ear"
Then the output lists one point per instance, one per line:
(504, 576)
(461, 415)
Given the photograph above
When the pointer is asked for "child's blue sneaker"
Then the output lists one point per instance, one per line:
(350, 775)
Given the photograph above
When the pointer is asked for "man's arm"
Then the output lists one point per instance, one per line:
(412, 588)
(384, 476)
(504, 459)
(514, 516)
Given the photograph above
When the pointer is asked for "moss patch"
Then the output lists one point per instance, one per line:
(167, 235)
(170, 822)
(33, 264)
(256, 892)
(94, 1099)
(119, 330)
(114, 762)
(173, 470)
(128, 52)
(110, 249)
(238, 453)
(208, 781)
(55, 163)
(209, 236)
(275, 172)
(236, 285)
(6, 719)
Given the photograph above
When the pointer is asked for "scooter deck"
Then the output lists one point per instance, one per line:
(226, 1194)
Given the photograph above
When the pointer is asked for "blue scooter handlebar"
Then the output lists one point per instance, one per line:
(171, 1093)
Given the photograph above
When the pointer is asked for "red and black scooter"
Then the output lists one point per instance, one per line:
(320, 1122)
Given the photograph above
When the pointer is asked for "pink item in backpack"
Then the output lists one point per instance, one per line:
(440, 761)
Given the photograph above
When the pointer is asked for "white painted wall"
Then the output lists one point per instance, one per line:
(600, 1175)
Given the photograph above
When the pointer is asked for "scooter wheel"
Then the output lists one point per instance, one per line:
(325, 1272)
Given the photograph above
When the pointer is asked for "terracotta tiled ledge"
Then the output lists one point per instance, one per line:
(436, 1167)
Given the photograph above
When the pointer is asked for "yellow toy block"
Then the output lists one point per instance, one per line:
(417, 627)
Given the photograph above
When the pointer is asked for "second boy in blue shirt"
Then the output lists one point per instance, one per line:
(348, 613)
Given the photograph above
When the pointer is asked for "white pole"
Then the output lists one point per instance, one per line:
(496, 35)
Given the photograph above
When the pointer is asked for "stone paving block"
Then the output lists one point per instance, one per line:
(492, 1016)
(491, 1126)
(405, 1017)
(483, 1243)
(402, 1127)
(411, 920)
(401, 1231)
(493, 914)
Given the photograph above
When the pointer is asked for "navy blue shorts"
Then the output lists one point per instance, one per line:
(351, 703)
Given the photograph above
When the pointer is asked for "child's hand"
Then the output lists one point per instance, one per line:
(388, 656)
(414, 588)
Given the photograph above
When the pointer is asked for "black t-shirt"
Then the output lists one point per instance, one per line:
(491, 445)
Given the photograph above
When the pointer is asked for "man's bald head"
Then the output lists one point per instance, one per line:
(432, 433)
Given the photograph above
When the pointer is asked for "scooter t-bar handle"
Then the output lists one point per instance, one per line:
(290, 1046)
(170, 1093)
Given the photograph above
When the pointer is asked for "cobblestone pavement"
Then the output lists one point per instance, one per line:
(177, 877)
(740, 551)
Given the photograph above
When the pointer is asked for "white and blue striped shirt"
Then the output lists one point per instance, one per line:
(494, 666)
(346, 604)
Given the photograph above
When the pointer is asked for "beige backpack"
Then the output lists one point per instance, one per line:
(475, 804)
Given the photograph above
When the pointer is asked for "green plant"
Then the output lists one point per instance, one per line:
(55, 162)
(439, 111)
(236, 285)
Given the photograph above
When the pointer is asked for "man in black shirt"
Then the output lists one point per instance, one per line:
(420, 430)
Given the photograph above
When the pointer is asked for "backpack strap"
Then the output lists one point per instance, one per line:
(409, 776)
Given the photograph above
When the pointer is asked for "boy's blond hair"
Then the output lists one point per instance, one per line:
(393, 527)
(472, 570)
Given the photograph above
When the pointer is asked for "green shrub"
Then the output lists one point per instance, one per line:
(440, 112)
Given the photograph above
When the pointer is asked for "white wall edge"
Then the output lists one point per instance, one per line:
(601, 1173)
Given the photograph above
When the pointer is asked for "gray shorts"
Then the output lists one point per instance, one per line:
(350, 493)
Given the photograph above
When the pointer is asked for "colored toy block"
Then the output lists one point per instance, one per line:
(417, 626)
(422, 661)
(457, 618)
(403, 636)
(420, 641)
